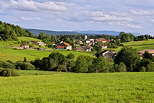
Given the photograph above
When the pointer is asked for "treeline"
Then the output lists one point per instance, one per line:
(126, 60)
(127, 37)
(58, 62)
(11, 32)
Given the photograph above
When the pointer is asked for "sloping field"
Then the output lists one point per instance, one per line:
(139, 45)
(77, 88)
(7, 53)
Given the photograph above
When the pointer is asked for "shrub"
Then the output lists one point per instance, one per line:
(120, 68)
(24, 66)
(8, 72)
(142, 69)
(6, 65)
(70, 56)
(62, 68)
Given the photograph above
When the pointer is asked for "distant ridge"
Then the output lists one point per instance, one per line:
(89, 32)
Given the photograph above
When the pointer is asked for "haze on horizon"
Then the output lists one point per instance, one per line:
(112, 15)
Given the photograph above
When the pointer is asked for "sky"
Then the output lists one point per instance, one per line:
(66, 15)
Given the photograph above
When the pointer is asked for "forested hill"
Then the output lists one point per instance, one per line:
(11, 32)
(37, 32)
(89, 32)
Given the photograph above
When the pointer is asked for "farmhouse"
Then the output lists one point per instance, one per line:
(24, 46)
(107, 54)
(64, 45)
(104, 46)
(41, 43)
(38, 43)
(102, 40)
(87, 48)
(151, 51)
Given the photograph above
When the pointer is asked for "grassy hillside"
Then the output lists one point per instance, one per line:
(28, 39)
(78, 88)
(139, 45)
(7, 53)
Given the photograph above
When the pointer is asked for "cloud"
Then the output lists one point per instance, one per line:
(30, 18)
(133, 26)
(143, 12)
(30, 5)
(101, 16)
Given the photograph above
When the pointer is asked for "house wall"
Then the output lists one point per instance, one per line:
(104, 47)
(69, 48)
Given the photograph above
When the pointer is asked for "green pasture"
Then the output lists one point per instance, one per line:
(28, 39)
(54, 87)
(7, 53)
(139, 45)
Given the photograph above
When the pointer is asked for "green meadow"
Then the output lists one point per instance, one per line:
(7, 53)
(139, 45)
(55, 87)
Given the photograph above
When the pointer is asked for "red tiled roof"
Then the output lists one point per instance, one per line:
(102, 39)
(148, 50)
(60, 47)
(67, 44)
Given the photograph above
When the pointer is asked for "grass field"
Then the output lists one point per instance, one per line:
(7, 53)
(54, 87)
(139, 45)
(28, 39)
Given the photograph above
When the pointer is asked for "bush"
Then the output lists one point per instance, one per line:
(24, 66)
(62, 68)
(6, 65)
(8, 73)
(120, 68)
(142, 69)
(70, 56)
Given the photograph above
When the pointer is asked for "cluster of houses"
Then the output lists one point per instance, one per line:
(87, 44)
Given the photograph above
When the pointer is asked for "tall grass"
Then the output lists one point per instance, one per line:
(78, 88)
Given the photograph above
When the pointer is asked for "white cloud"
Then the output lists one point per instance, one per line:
(30, 18)
(152, 20)
(108, 16)
(30, 5)
(133, 26)
(143, 12)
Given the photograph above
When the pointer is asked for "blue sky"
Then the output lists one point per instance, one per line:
(112, 15)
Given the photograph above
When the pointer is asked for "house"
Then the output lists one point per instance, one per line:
(102, 40)
(41, 43)
(107, 54)
(90, 41)
(64, 45)
(24, 46)
(87, 48)
(104, 46)
(53, 43)
(87, 41)
(151, 51)
(38, 43)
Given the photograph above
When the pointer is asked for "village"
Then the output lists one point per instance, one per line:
(86, 45)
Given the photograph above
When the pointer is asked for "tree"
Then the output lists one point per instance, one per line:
(126, 37)
(142, 69)
(150, 67)
(120, 68)
(70, 56)
(129, 57)
(81, 65)
(98, 48)
(99, 65)
(147, 55)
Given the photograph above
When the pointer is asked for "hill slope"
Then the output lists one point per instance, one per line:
(78, 88)
(90, 32)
